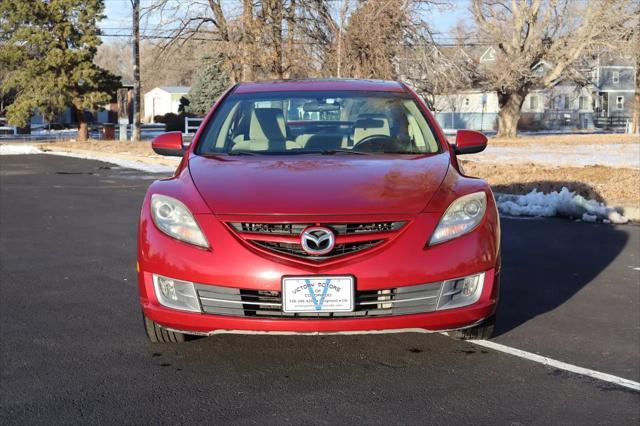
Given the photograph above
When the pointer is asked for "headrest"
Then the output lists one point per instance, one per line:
(267, 124)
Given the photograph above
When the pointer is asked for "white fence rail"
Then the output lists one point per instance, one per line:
(8, 130)
(192, 124)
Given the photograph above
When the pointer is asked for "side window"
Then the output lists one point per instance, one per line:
(615, 77)
(533, 102)
(620, 102)
(583, 102)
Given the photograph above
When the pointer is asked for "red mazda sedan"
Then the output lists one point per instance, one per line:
(320, 206)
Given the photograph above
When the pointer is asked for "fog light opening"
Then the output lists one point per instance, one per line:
(176, 294)
(461, 292)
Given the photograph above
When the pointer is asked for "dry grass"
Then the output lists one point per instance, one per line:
(609, 138)
(613, 186)
(137, 148)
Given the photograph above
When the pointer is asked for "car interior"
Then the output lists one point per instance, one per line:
(324, 125)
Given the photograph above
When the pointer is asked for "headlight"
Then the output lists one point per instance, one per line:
(174, 219)
(176, 294)
(461, 217)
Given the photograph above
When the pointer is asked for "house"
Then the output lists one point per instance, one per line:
(614, 89)
(470, 109)
(604, 100)
(163, 100)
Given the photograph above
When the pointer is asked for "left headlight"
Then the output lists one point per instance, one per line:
(461, 217)
(174, 219)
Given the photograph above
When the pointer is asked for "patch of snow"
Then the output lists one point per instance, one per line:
(19, 149)
(22, 149)
(564, 203)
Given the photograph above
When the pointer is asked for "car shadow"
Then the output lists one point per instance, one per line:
(545, 262)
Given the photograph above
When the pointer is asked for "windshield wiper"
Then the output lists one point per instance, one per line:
(242, 152)
(339, 151)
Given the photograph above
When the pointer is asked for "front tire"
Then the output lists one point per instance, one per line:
(157, 334)
(482, 331)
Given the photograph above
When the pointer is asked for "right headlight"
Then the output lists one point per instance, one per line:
(461, 217)
(174, 219)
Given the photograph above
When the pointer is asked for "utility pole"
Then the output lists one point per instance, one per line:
(135, 131)
(343, 16)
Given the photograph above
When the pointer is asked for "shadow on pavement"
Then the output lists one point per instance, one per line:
(545, 263)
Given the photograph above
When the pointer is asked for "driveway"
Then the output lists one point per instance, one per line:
(73, 348)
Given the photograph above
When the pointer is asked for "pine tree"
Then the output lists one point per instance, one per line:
(48, 49)
(209, 84)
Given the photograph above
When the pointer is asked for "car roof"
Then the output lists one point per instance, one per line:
(320, 85)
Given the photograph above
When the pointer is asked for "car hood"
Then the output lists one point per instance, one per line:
(303, 185)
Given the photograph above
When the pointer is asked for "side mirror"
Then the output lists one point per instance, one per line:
(169, 144)
(469, 142)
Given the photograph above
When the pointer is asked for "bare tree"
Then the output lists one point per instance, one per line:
(539, 42)
(374, 37)
(114, 57)
(260, 39)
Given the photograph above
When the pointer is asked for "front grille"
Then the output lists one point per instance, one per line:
(294, 249)
(228, 301)
(296, 229)
(284, 238)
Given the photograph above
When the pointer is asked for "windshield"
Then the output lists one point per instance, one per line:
(318, 122)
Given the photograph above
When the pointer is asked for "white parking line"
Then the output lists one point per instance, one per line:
(558, 364)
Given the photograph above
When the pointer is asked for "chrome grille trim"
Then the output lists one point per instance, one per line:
(397, 301)
(297, 251)
(218, 300)
(294, 229)
(241, 302)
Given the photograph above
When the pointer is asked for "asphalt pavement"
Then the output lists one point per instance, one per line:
(73, 348)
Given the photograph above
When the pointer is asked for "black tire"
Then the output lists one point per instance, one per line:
(157, 334)
(482, 331)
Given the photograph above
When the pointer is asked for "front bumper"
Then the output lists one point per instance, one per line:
(200, 323)
(403, 262)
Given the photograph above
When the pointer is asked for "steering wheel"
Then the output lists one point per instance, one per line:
(377, 143)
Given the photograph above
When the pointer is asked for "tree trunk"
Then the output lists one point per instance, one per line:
(247, 40)
(510, 104)
(135, 131)
(275, 22)
(291, 32)
(83, 127)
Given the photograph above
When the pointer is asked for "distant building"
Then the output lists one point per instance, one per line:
(470, 109)
(163, 100)
(604, 100)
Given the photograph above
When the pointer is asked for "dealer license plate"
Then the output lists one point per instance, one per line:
(317, 294)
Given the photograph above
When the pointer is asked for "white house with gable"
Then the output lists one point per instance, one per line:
(162, 100)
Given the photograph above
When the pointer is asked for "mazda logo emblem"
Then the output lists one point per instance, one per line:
(317, 240)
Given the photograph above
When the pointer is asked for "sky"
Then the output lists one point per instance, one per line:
(118, 16)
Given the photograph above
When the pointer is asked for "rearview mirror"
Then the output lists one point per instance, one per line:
(469, 142)
(169, 144)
